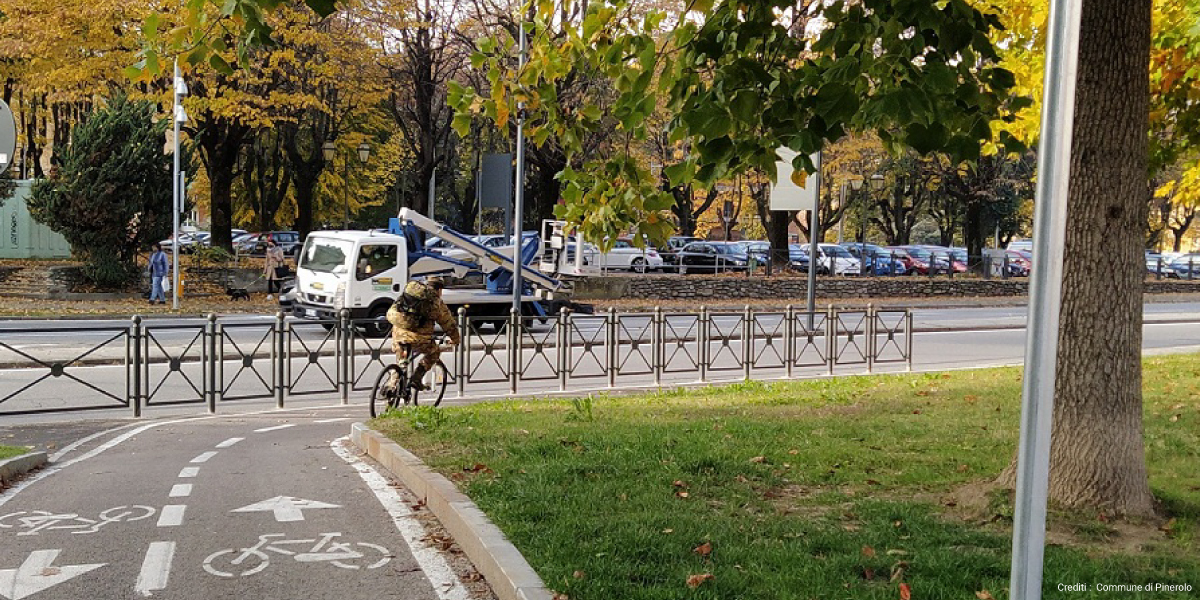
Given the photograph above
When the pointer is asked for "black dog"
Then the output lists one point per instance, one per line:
(237, 293)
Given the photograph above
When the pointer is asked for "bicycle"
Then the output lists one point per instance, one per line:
(248, 561)
(392, 389)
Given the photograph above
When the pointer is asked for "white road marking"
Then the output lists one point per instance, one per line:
(189, 472)
(171, 515)
(275, 428)
(37, 574)
(333, 420)
(229, 442)
(203, 458)
(445, 583)
(12, 492)
(156, 568)
(181, 490)
(57, 456)
(286, 508)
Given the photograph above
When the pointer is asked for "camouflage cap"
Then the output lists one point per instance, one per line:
(435, 281)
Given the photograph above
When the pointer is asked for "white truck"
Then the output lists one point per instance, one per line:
(364, 272)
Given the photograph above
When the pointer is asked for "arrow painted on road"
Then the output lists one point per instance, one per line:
(286, 508)
(36, 574)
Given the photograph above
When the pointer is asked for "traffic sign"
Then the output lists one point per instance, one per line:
(8, 136)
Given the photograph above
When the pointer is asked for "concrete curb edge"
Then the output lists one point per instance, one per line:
(11, 468)
(500, 563)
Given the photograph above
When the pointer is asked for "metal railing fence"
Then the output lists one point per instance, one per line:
(214, 362)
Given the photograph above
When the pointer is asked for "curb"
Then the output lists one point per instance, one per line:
(19, 465)
(500, 563)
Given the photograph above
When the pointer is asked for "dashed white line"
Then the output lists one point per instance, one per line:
(277, 427)
(189, 472)
(181, 490)
(171, 515)
(203, 458)
(229, 442)
(446, 584)
(156, 568)
(333, 420)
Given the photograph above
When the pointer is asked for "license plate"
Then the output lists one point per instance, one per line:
(308, 312)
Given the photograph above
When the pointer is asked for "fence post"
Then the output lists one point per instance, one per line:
(747, 341)
(286, 348)
(908, 336)
(341, 355)
(562, 338)
(570, 349)
(611, 343)
(135, 343)
(870, 331)
(831, 333)
(277, 359)
(789, 339)
(658, 348)
(702, 342)
(460, 353)
(209, 356)
(514, 349)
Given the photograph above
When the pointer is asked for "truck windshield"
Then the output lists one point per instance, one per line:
(325, 255)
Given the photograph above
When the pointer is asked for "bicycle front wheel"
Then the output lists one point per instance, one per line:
(436, 381)
(385, 393)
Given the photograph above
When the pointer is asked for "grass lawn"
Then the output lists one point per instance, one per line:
(11, 451)
(847, 488)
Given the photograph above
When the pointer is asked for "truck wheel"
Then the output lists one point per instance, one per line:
(378, 326)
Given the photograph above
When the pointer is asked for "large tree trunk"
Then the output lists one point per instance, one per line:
(1097, 456)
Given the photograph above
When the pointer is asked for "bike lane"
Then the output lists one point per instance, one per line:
(268, 506)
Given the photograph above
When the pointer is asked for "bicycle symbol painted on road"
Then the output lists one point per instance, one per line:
(244, 562)
(36, 521)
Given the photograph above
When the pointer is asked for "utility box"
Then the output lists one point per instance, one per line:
(21, 236)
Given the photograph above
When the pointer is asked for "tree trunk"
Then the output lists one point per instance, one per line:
(1097, 457)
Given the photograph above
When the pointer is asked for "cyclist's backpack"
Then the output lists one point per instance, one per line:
(417, 308)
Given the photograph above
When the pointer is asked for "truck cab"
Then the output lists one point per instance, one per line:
(360, 271)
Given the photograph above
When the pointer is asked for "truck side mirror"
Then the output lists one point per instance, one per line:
(396, 288)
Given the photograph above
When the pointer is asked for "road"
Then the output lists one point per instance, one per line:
(270, 506)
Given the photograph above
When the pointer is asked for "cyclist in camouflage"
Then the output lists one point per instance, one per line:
(413, 316)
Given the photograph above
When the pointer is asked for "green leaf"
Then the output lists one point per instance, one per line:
(150, 28)
(323, 8)
(219, 65)
(746, 106)
(925, 138)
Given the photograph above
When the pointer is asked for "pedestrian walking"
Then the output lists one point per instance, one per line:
(275, 269)
(158, 270)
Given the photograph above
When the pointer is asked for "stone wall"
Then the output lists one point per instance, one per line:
(707, 289)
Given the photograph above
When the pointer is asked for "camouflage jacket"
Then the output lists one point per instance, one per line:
(413, 318)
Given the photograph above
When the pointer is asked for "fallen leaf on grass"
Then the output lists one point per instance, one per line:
(694, 581)
(681, 494)
(905, 593)
(668, 531)
(1174, 418)
(703, 549)
(579, 575)
(868, 551)
(1168, 527)
(963, 468)
(759, 459)
(984, 595)
(793, 452)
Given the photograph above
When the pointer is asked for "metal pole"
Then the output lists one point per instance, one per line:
(432, 187)
(1045, 299)
(460, 352)
(176, 205)
(346, 193)
(842, 206)
(518, 204)
(814, 227)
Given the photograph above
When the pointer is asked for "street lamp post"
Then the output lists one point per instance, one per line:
(877, 183)
(179, 116)
(855, 184)
(329, 149)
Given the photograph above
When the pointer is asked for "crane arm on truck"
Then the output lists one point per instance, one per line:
(489, 259)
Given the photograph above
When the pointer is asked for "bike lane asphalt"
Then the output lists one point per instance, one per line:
(271, 506)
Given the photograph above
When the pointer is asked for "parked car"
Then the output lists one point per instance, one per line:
(255, 244)
(714, 257)
(1187, 266)
(924, 260)
(624, 255)
(838, 260)
(1159, 265)
(954, 260)
(188, 242)
(878, 261)
(798, 256)
(1019, 264)
(758, 250)
(1021, 246)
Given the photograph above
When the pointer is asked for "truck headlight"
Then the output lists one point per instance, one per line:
(339, 297)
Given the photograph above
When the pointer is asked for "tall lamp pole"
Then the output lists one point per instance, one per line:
(877, 183)
(518, 204)
(179, 117)
(329, 150)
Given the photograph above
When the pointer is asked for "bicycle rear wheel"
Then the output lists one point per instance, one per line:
(385, 395)
(436, 381)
